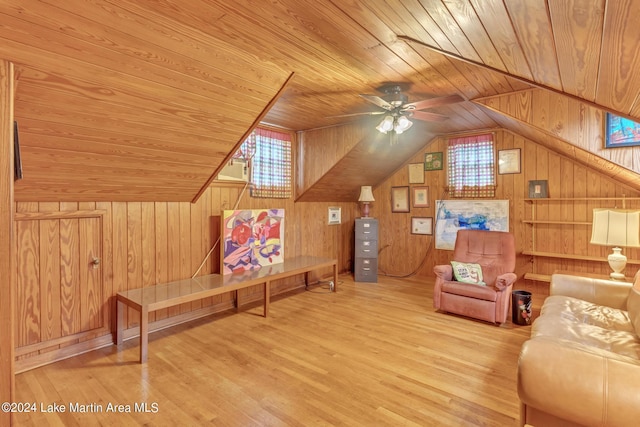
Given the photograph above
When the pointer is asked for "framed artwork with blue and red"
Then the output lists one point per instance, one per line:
(251, 239)
(621, 132)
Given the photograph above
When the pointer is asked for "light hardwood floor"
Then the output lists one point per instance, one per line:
(369, 355)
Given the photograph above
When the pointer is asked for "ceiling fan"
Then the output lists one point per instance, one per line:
(398, 110)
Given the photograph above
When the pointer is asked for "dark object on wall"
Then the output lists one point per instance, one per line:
(538, 189)
(17, 162)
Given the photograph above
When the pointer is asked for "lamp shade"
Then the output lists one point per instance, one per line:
(386, 124)
(366, 195)
(616, 227)
(402, 124)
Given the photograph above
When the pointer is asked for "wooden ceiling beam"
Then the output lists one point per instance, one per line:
(513, 76)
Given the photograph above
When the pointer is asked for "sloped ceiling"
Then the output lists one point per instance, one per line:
(144, 100)
(544, 117)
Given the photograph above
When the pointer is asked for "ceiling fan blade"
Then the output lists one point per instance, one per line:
(428, 117)
(433, 102)
(369, 113)
(374, 99)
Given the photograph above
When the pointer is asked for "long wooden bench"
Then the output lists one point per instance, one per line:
(149, 299)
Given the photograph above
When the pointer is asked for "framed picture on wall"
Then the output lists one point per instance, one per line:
(433, 161)
(621, 132)
(399, 199)
(420, 197)
(509, 161)
(538, 189)
(335, 215)
(416, 173)
(421, 225)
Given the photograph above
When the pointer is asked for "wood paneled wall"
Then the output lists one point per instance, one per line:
(64, 308)
(320, 149)
(7, 259)
(566, 178)
(568, 119)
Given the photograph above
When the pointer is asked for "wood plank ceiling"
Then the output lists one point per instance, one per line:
(144, 100)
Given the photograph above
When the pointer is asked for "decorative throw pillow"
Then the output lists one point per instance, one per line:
(467, 273)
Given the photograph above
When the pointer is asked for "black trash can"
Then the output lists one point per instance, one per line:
(521, 307)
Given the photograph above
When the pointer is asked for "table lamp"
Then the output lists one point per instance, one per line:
(366, 197)
(616, 227)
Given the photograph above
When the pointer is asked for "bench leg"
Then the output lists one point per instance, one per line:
(267, 296)
(236, 294)
(120, 307)
(335, 277)
(144, 333)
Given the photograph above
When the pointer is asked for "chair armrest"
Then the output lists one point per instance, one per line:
(598, 291)
(444, 272)
(586, 386)
(505, 280)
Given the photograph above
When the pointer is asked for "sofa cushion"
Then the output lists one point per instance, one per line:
(471, 291)
(577, 310)
(588, 325)
(589, 337)
(633, 304)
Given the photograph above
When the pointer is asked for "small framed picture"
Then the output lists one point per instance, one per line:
(421, 225)
(621, 132)
(509, 161)
(399, 199)
(416, 173)
(335, 215)
(538, 189)
(420, 197)
(433, 161)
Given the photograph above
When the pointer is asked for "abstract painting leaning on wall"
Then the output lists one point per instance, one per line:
(252, 239)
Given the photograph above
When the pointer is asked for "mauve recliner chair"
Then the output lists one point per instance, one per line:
(495, 252)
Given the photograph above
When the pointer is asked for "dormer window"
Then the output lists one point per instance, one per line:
(471, 170)
(268, 155)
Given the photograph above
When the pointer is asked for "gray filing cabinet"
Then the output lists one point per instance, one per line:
(366, 253)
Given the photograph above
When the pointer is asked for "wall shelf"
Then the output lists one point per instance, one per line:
(574, 257)
(538, 277)
(584, 199)
(556, 222)
(534, 222)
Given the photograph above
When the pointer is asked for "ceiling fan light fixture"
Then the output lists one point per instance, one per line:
(386, 124)
(401, 124)
(396, 99)
(394, 105)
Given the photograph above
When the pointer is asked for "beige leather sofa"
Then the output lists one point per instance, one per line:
(581, 366)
